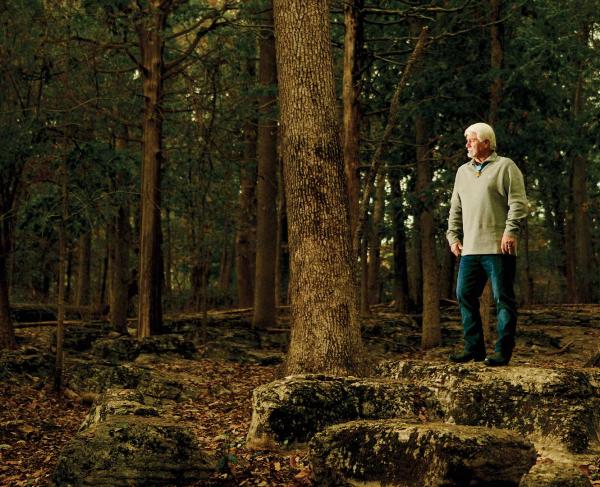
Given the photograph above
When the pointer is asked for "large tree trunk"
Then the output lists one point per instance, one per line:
(324, 319)
(265, 312)
(151, 40)
(432, 335)
(350, 93)
(374, 284)
(401, 298)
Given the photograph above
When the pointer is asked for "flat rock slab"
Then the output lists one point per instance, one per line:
(125, 442)
(552, 406)
(288, 412)
(555, 475)
(397, 453)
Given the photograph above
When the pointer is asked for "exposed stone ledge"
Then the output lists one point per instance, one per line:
(396, 453)
(125, 442)
(552, 406)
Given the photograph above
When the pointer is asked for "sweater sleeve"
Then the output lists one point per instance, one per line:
(516, 198)
(455, 226)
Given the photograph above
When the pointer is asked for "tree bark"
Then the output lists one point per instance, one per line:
(401, 299)
(324, 320)
(282, 265)
(7, 332)
(351, 88)
(246, 219)
(431, 332)
(580, 244)
(62, 257)
(265, 312)
(151, 39)
(375, 244)
(84, 251)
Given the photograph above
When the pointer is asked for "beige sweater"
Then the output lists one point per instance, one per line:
(484, 208)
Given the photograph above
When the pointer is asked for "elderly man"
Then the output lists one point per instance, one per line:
(487, 209)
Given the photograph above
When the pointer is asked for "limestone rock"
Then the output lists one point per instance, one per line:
(554, 475)
(168, 343)
(118, 402)
(123, 441)
(551, 406)
(81, 338)
(291, 410)
(132, 451)
(29, 360)
(116, 350)
(84, 376)
(396, 453)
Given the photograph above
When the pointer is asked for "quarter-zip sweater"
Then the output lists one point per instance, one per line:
(486, 204)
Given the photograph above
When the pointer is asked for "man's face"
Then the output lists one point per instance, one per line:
(476, 148)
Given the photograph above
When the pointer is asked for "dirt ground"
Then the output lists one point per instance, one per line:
(35, 423)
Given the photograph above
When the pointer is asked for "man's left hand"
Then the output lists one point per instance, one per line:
(508, 245)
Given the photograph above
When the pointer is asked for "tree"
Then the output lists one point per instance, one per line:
(324, 319)
(353, 41)
(265, 313)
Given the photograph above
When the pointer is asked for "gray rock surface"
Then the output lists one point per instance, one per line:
(552, 406)
(125, 442)
(554, 475)
(290, 411)
(396, 453)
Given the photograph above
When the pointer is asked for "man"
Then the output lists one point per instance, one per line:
(487, 209)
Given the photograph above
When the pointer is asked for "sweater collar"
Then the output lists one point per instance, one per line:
(491, 158)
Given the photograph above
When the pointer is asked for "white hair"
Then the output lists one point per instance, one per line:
(483, 132)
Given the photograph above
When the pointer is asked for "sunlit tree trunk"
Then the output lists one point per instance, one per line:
(324, 320)
(266, 189)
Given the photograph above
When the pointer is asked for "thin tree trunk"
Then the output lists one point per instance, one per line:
(375, 245)
(245, 246)
(283, 262)
(7, 332)
(60, 323)
(353, 41)
(401, 299)
(104, 278)
(581, 244)
(365, 310)
(431, 333)
(150, 279)
(84, 251)
(169, 257)
(265, 313)
(324, 320)
(496, 56)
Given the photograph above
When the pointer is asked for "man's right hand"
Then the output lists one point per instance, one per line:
(456, 248)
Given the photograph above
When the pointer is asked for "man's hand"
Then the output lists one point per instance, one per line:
(456, 248)
(508, 245)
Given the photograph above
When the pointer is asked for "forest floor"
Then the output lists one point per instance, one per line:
(35, 423)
